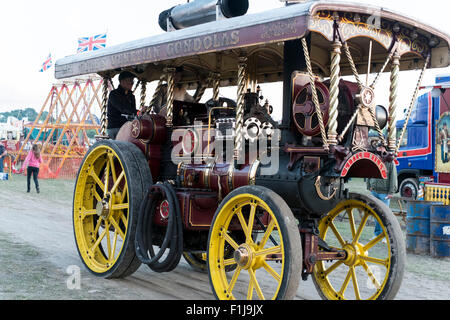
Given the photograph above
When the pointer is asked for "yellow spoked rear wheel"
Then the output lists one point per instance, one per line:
(264, 236)
(373, 268)
(108, 192)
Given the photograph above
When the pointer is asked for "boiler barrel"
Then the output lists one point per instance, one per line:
(440, 231)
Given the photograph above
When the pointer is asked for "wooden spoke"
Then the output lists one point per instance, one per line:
(96, 179)
(351, 222)
(355, 283)
(337, 234)
(373, 242)
(242, 221)
(229, 262)
(267, 234)
(106, 177)
(381, 262)
(272, 250)
(251, 220)
(361, 227)
(100, 238)
(346, 281)
(371, 275)
(333, 267)
(86, 213)
(234, 279)
(255, 284)
(120, 206)
(230, 240)
(272, 272)
(117, 228)
(117, 181)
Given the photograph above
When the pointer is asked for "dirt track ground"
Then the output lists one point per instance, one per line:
(39, 259)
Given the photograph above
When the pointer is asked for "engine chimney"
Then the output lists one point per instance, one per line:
(201, 11)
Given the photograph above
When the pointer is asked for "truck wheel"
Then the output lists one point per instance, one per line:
(268, 259)
(108, 193)
(409, 188)
(374, 265)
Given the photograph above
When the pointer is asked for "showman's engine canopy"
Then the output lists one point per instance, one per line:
(257, 202)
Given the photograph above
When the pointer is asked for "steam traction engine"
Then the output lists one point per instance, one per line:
(257, 203)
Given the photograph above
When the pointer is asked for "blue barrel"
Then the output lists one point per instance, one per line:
(418, 226)
(440, 231)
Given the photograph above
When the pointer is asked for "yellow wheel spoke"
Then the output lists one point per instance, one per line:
(116, 233)
(108, 239)
(117, 181)
(272, 250)
(373, 242)
(361, 227)
(230, 240)
(355, 283)
(117, 228)
(97, 243)
(106, 177)
(229, 262)
(337, 234)
(120, 206)
(345, 284)
(97, 227)
(351, 222)
(371, 275)
(251, 220)
(255, 284)
(86, 213)
(234, 279)
(332, 267)
(96, 179)
(242, 221)
(267, 233)
(112, 167)
(272, 272)
(375, 260)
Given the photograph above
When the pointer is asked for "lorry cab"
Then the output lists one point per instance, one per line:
(416, 160)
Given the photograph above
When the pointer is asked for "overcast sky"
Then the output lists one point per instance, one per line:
(33, 29)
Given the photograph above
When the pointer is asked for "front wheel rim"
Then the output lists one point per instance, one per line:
(250, 257)
(101, 209)
(365, 271)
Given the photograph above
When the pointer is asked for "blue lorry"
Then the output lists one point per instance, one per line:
(420, 156)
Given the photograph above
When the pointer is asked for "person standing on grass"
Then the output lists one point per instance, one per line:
(3, 154)
(384, 189)
(33, 161)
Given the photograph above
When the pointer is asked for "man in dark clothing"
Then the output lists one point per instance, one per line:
(3, 154)
(121, 102)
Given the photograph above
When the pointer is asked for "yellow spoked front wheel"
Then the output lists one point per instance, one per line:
(263, 234)
(108, 193)
(374, 264)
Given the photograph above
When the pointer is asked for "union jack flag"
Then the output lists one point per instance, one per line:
(47, 64)
(91, 43)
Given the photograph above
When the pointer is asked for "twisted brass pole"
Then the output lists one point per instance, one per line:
(238, 142)
(143, 94)
(216, 86)
(314, 94)
(170, 95)
(334, 92)
(104, 116)
(393, 102)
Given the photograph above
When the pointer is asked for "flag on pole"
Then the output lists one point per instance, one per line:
(47, 64)
(97, 42)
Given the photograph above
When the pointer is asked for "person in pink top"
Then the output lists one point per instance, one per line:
(33, 161)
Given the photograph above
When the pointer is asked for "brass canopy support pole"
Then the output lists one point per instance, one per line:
(334, 92)
(104, 119)
(393, 102)
(156, 95)
(242, 82)
(143, 94)
(216, 86)
(170, 95)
